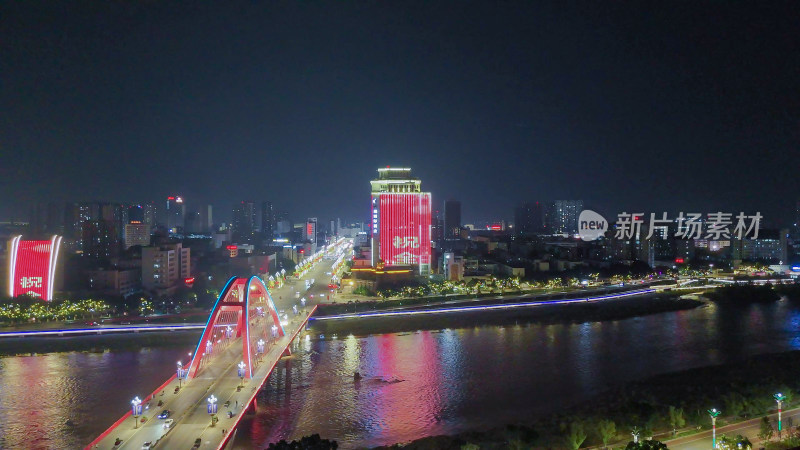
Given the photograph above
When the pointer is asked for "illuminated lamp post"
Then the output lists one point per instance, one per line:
(714, 413)
(212, 408)
(209, 347)
(181, 373)
(136, 409)
(274, 331)
(241, 367)
(779, 398)
(260, 347)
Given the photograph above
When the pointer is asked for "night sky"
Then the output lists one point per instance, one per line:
(672, 106)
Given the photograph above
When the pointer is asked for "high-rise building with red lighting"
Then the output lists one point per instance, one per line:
(401, 221)
(32, 267)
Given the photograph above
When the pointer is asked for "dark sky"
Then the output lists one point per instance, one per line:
(668, 106)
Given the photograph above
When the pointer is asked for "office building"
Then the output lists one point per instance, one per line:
(401, 221)
(174, 214)
(771, 245)
(529, 218)
(561, 216)
(135, 214)
(452, 219)
(164, 267)
(150, 213)
(267, 221)
(136, 234)
(243, 222)
(310, 230)
(100, 239)
(116, 281)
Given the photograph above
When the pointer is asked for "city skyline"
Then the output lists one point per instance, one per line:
(625, 107)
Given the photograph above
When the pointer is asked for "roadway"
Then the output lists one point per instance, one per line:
(188, 406)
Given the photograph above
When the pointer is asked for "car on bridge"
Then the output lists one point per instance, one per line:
(164, 414)
(197, 443)
(168, 423)
(147, 445)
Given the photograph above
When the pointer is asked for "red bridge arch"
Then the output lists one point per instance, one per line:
(243, 310)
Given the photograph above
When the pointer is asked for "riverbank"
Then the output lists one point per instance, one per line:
(198, 316)
(486, 298)
(742, 391)
(579, 312)
(97, 343)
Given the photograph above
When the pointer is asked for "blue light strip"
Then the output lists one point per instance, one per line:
(272, 305)
(484, 308)
(222, 295)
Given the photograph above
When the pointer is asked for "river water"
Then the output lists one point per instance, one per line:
(414, 384)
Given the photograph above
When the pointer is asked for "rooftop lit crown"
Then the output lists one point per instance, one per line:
(395, 180)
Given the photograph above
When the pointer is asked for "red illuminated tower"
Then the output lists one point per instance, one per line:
(401, 220)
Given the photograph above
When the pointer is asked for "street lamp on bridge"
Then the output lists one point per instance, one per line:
(181, 373)
(260, 347)
(212, 408)
(136, 409)
(241, 367)
(713, 412)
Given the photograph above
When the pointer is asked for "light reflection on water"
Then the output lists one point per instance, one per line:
(64, 400)
(482, 377)
(414, 384)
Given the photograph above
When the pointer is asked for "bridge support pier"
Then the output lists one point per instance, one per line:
(252, 407)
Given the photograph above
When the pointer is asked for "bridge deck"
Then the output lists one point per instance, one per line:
(188, 405)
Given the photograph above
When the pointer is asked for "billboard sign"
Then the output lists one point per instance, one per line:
(32, 267)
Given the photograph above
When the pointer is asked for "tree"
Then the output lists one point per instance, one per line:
(607, 429)
(470, 446)
(737, 442)
(575, 436)
(676, 419)
(313, 442)
(734, 404)
(649, 444)
(516, 444)
(766, 432)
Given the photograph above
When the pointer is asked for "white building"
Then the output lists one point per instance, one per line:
(165, 266)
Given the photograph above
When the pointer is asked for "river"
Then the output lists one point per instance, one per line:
(414, 384)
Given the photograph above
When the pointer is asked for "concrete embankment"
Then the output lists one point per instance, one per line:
(574, 309)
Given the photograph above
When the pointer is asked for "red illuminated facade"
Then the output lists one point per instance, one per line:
(401, 221)
(32, 267)
(405, 229)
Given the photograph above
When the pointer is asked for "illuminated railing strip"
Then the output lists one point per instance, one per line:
(483, 308)
(100, 330)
